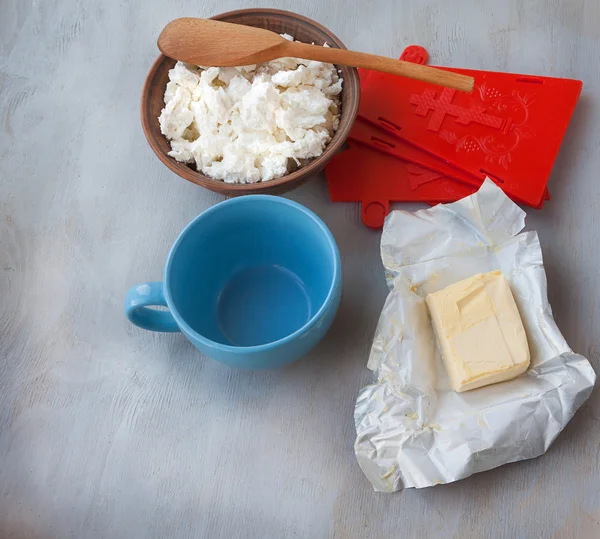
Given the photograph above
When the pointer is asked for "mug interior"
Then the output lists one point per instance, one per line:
(251, 271)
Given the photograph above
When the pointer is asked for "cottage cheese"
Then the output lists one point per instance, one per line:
(253, 123)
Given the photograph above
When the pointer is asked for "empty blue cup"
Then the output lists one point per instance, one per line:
(253, 282)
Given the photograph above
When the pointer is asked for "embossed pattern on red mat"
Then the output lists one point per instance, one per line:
(509, 129)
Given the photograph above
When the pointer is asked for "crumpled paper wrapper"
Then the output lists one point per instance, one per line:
(412, 429)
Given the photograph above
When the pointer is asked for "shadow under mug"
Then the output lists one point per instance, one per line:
(253, 282)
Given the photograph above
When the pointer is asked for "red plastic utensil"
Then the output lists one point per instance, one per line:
(417, 54)
(362, 174)
(509, 129)
(376, 140)
(370, 136)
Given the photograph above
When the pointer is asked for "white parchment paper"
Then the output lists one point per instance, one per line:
(412, 430)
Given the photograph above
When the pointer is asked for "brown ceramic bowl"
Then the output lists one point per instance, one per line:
(302, 29)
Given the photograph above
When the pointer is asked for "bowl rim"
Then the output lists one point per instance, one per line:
(301, 174)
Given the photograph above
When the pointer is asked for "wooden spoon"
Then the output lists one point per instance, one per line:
(206, 42)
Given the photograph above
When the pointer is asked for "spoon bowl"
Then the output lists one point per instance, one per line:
(211, 42)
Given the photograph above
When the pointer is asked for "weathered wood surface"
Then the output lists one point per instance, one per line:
(109, 431)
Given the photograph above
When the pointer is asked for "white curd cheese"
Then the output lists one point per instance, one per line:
(252, 123)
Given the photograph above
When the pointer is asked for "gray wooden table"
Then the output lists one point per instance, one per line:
(110, 431)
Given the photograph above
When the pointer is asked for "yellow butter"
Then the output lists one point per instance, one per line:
(480, 331)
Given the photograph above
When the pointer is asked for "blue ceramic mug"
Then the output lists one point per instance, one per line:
(253, 282)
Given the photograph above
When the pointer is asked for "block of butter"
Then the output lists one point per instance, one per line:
(480, 331)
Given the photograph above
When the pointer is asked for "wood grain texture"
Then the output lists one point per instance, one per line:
(302, 28)
(110, 431)
(208, 42)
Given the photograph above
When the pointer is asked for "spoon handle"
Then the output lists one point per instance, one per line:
(423, 73)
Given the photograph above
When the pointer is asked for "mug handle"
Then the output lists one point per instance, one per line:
(137, 301)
